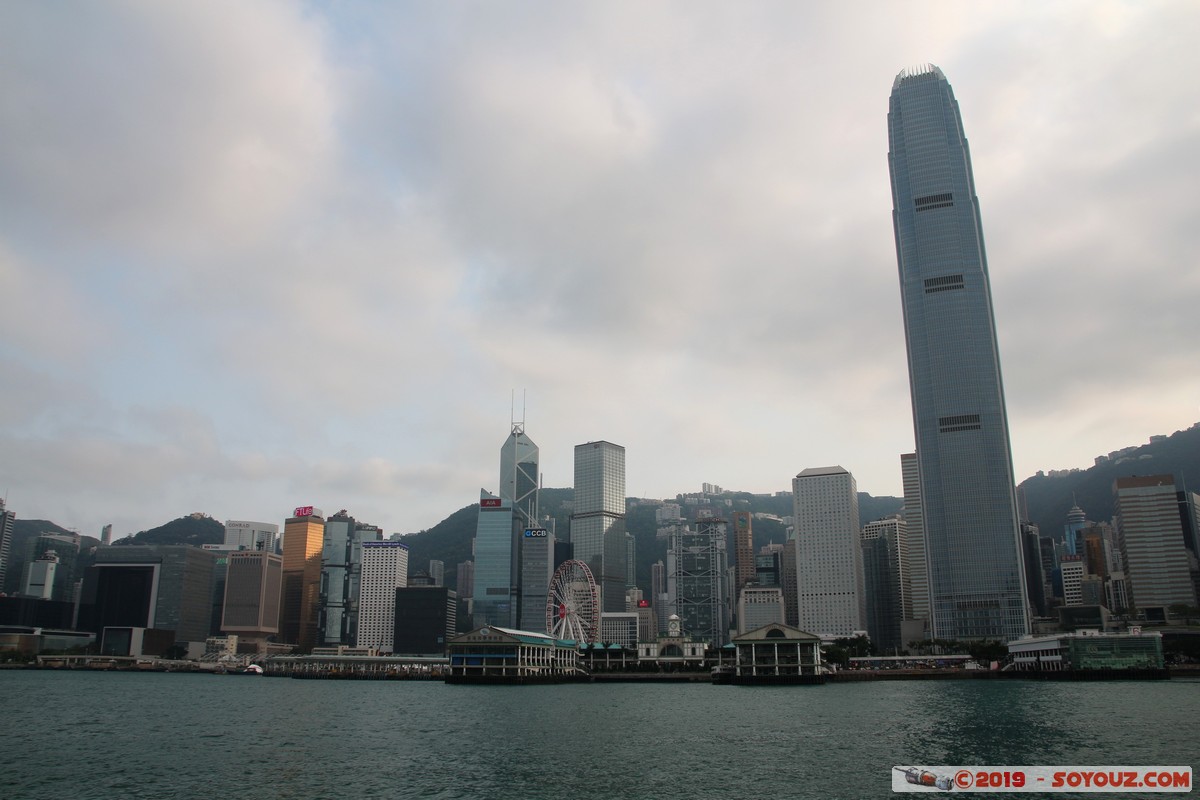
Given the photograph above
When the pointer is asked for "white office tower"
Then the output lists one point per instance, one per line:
(829, 573)
(759, 606)
(246, 535)
(384, 570)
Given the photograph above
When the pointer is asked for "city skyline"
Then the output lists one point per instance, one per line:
(222, 275)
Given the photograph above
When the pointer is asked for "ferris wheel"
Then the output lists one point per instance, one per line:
(572, 604)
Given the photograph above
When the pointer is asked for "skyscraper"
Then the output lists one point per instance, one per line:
(1152, 544)
(503, 518)
(598, 524)
(7, 520)
(977, 585)
(253, 587)
(743, 549)
(829, 568)
(341, 574)
(537, 567)
(883, 579)
(696, 575)
(384, 570)
(302, 541)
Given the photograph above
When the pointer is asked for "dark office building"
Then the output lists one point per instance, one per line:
(426, 618)
(166, 587)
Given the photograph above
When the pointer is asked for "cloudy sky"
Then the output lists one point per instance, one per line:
(260, 255)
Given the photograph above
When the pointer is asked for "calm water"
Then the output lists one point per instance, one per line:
(89, 735)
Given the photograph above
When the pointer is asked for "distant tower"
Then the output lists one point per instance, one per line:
(465, 580)
(598, 522)
(302, 542)
(977, 584)
(437, 571)
(743, 549)
(1073, 530)
(106, 535)
(829, 569)
(7, 519)
(384, 570)
(39, 579)
(537, 567)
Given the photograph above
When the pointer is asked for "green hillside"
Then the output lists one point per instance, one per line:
(1050, 498)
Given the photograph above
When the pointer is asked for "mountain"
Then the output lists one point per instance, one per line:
(194, 529)
(1050, 497)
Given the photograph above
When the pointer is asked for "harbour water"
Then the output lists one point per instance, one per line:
(151, 735)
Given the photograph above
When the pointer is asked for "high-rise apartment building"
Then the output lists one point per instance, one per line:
(829, 569)
(697, 564)
(384, 570)
(598, 521)
(968, 501)
(341, 578)
(303, 539)
(1152, 544)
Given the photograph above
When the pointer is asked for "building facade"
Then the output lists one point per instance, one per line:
(598, 521)
(384, 570)
(743, 549)
(697, 568)
(829, 572)
(426, 620)
(883, 579)
(1153, 548)
(968, 500)
(303, 539)
(341, 578)
(495, 600)
(253, 590)
(248, 535)
(537, 567)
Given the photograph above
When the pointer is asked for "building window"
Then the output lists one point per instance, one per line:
(932, 201)
(943, 284)
(962, 422)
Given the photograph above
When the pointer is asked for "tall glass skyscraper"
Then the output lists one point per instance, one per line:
(503, 518)
(598, 524)
(976, 583)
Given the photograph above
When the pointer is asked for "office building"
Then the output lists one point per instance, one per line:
(598, 521)
(1035, 575)
(916, 573)
(537, 567)
(106, 535)
(1073, 569)
(829, 569)
(437, 571)
(968, 501)
(247, 535)
(503, 517)
(1153, 551)
(697, 566)
(788, 578)
(494, 581)
(7, 520)
(464, 580)
(426, 619)
(743, 549)
(303, 539)
(883, 580)
(165, 587)
(66, 547)
(384, 570)
(759, 606)
(39, 577)
(619, 628)
(253, 591)
(341, 576)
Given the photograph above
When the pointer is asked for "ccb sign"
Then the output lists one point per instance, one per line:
(535, 533)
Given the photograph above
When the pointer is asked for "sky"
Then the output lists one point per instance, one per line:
(261, 255)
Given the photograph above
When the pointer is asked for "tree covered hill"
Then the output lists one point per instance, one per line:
(1049, 498)
(195, 529)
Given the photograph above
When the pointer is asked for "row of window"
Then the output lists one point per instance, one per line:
(944, 283)
(931, 201)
